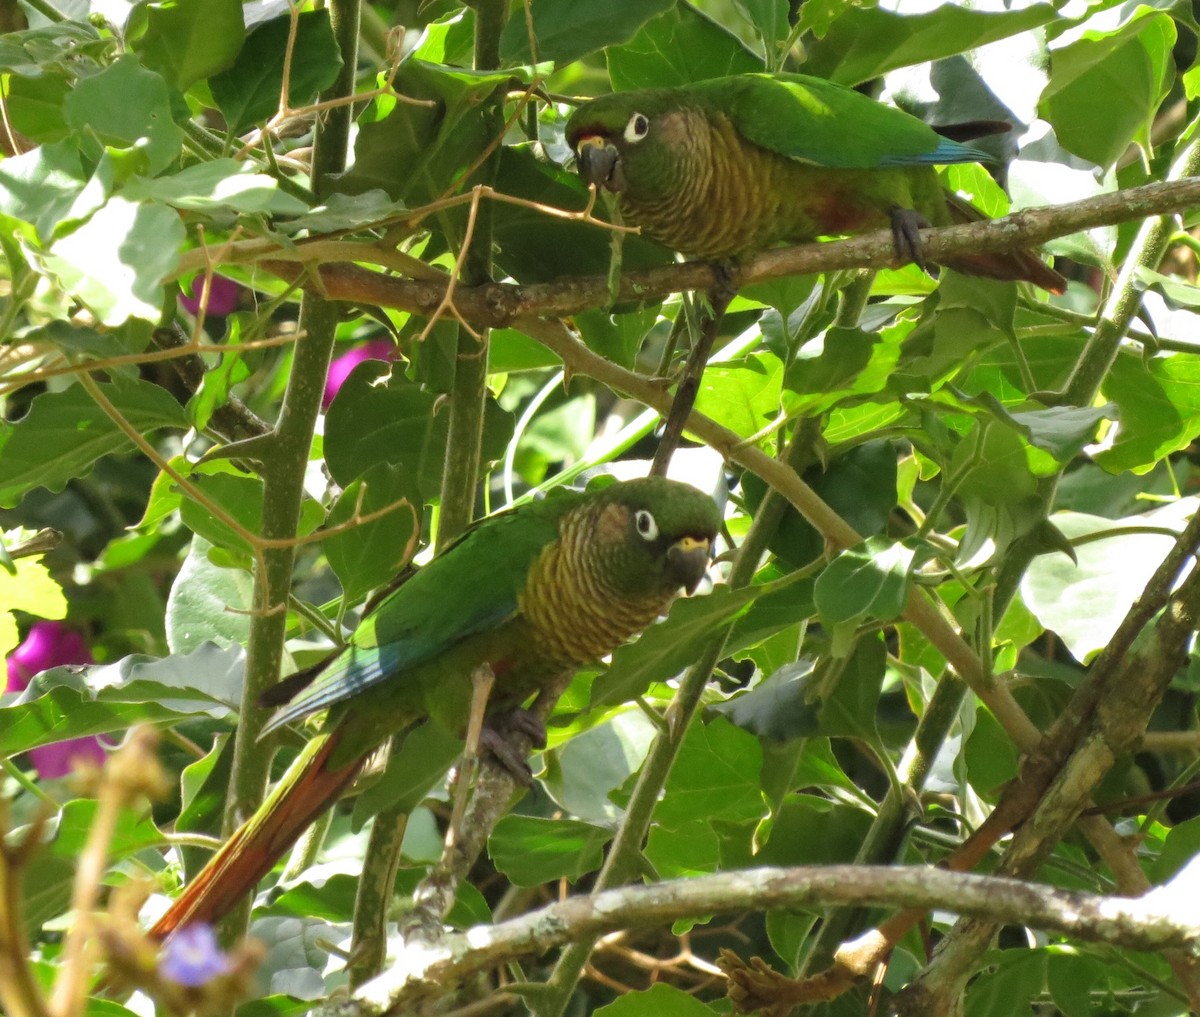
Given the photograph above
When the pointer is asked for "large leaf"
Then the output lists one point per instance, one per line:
(532, 851)
(73, 702)
(186, 40)
(64, 433)
(1159, 401)
(248, 91)
(402, 425)
(864, 42)
(140, 244)
(564, 30)
(1105, 88)
(1084, 601)
(125, 106)
(678, 47)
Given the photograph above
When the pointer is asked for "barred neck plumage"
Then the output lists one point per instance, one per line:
(724, 195)
(572, 601)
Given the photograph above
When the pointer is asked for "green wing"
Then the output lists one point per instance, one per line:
(818, 122)
(470, 587)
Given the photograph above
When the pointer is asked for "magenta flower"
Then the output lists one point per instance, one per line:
(339, 370)
(192, 958)
(51, 644)
(223, 296)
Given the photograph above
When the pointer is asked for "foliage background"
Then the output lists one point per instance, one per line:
(1018, 465)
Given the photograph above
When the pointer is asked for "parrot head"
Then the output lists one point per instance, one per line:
(629, 141)
(655, 535)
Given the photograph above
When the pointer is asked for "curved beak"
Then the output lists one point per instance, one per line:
(600, 163)
(687, 561)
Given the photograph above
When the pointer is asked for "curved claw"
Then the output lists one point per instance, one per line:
(907, 224)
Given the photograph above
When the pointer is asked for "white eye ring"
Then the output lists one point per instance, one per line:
(637, 128)
(646, 526)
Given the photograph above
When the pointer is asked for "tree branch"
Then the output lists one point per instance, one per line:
(1148, 923)
(502, 305)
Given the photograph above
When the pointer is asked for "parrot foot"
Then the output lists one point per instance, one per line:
(499, 737)
(907, 224)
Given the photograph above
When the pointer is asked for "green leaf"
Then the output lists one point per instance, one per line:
(248, 92)
(1159, 402)
(860, 486)
(769, 18)
(1105, 88)
(141, 244)
(714, 778)
(187, 40)
(345, 212)
(779, 707)
(1016, 977)
(370, 554)
(678, 47)
(564, 30)
(207, 603)
(848, 362)
(659, 1000)
(1073, 981)
(133, 832)
(531, 851)
(35, 106)
(869, 580)
(691, 849)
(809, 830)
(412, 151)
(744, 396)
(220, 185)
(204, 787)
(864, 42)
(401, 424)
(1084, 602)
(849, 708)
(64, 433)
(67, 45)
(1063, 431)
(70, 702)
(123, 106)
(997, 490)
(237, 496)
(45, 186)
(587, 769)
(419, 764)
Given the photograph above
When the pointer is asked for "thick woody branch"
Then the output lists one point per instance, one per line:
(1149, 923)
(500, 305)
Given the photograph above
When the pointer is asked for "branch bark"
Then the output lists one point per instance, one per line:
(501, 304)
(1148, 923)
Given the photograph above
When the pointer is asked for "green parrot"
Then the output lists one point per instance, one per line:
(533, 593)
(726, 167)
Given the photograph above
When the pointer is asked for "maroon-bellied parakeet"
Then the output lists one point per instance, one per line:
(533, 593)
(725, 167)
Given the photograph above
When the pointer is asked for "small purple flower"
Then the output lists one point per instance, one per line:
(339, 370)
(51, 644)
(192, 958)
(223, 296)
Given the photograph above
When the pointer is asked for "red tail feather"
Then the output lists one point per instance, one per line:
(1021, 265)
(304, 792)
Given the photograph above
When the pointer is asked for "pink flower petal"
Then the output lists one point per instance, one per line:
(51, 644)
(223, 296)
(339, 370)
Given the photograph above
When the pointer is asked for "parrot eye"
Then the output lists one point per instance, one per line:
(646, 526)
(637, 128)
